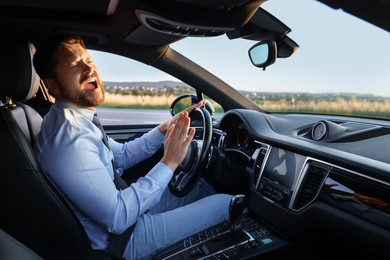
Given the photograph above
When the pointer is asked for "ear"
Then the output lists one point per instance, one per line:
(52, 86)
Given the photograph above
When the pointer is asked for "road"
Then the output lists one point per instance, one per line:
(119, 116)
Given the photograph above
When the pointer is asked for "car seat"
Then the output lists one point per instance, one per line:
(32, 210)
(12, 249)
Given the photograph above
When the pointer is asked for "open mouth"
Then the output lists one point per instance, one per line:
(91, 85)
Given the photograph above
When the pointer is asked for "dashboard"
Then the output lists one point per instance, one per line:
(312, 177)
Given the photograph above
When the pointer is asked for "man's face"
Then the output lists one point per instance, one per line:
(76, 79)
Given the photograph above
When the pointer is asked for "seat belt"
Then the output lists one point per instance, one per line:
(118, 181)
(116, 243)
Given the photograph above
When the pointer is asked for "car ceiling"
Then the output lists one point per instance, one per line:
(123, 26)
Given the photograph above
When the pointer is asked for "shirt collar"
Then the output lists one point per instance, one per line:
(83, 111)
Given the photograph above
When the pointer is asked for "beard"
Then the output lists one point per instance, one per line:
(88, 99)
(92, 98)
(83, 97)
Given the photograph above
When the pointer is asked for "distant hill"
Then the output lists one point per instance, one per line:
(254, 95)
(156, 84)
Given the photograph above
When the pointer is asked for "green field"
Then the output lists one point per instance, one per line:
(325, 103)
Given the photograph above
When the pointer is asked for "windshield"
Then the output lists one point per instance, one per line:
(342, 66)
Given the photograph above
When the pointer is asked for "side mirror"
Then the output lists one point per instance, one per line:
(263, 54)
(184, 101)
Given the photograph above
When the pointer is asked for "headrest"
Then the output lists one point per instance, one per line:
(18, 79)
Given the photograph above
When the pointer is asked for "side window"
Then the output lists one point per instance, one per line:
(135, 93)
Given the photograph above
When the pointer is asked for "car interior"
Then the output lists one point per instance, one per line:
(308, 215)
(36, 208)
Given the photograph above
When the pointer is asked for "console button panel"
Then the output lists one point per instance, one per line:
(219, 242)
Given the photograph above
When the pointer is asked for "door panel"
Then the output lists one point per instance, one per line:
(127, 133)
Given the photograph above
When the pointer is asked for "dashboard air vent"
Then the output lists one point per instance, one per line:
(180, 30)
(172, 27)
(218, 138)
(258, 164)
(314, 177)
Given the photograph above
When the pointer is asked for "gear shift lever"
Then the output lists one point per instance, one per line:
(236, 208)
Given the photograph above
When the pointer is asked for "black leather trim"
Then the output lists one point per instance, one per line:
(32, 210)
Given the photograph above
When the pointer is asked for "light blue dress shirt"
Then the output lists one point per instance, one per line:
(72, 154)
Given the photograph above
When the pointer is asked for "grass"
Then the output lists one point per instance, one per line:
(379, 108)
(369, 108)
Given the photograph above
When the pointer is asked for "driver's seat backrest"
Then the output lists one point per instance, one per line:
(32, 210)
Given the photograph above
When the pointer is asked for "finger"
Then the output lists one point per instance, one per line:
(189, 137)
(193, 107)
(182, 126)
(191, 133)
(201, 103)
(185, 119)
(181, 119)
(170, 130)
(179, 116)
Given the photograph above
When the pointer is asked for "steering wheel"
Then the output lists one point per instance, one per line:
(190, 170)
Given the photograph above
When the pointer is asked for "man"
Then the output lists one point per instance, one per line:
(73, 155)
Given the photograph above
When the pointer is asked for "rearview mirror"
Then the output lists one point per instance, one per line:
(263, 54)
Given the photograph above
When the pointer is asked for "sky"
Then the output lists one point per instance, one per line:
(321, 64)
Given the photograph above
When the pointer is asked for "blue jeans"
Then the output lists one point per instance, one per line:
(175, 218)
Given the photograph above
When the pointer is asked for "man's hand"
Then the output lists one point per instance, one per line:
(177, 139)
(163, 127)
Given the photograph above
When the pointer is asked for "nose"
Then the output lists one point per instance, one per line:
(88, 68)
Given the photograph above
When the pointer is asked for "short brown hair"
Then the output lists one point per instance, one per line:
(44, 62)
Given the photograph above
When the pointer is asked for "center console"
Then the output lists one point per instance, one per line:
(242, 237)
(218, 243)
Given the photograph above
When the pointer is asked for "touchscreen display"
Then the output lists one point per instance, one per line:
(283, 167)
